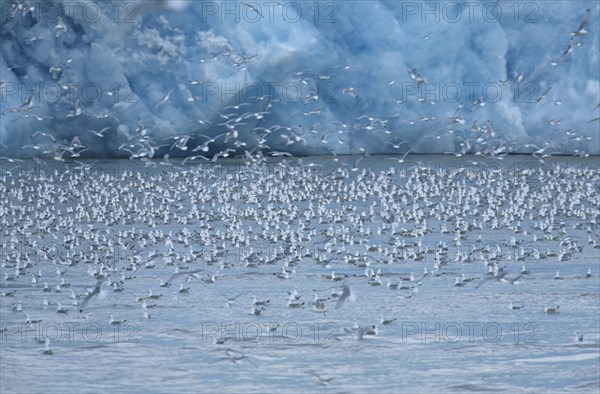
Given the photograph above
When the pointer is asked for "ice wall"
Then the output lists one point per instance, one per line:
(343, 76)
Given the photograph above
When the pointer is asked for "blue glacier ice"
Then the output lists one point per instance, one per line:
(345, 76)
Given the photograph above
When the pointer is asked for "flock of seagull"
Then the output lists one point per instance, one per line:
(105, 234)
(77, 238)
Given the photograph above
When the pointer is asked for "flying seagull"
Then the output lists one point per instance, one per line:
(345, 294)
(96, 291)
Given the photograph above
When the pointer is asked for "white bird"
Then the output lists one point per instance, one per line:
(383, 321)
(60, 27)
(99, 133)
(557, 276)
(182, 273)
(47, 351)
(256, 302)
(511, 306)
(98, 291)
(345, 294)
(551, 310)
(114, 322)
(164, 99)
(183, 290)
(255, 311)
(29, 321)
(581, 28)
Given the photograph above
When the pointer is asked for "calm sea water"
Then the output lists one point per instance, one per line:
(444, 339)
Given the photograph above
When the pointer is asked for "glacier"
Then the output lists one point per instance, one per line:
(309, 78)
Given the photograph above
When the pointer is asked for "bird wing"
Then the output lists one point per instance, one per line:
(584, 20)
(345, 294)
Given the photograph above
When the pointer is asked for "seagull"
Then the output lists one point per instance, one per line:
(182, 273)
(210, 279)
(254, 311)
(414, 74)
(229, 301)
(383, 321)
(350, 91)
(99, 133)
(11, 160)
(164, 99)
(47, 351)
(511, 306)
(551, 310)
(164, 284)
(322, 381)
(98, 291)
(114, 322)
(26, 106)
(190, 158)
(153, 296)
(557, 276)
(401, 160)
(253, 8)
(256, 302)
(60, 309)
(343, 297)
(183, 290)
(411, 295)
(362, 331)
(392, 286)
(60, 27)
(294, 304)
(581, 29)
(501, 277)
(512, 281)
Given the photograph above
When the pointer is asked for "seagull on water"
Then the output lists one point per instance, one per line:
(60, 309)
(256, 302)
(114, 322)
(29, 321)
(47, 351)
(183, 290)
(557, 276)
(153, 296)
(551, 310)
(383, 321)
(362, 331)
(512, 307)
(255, 311)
